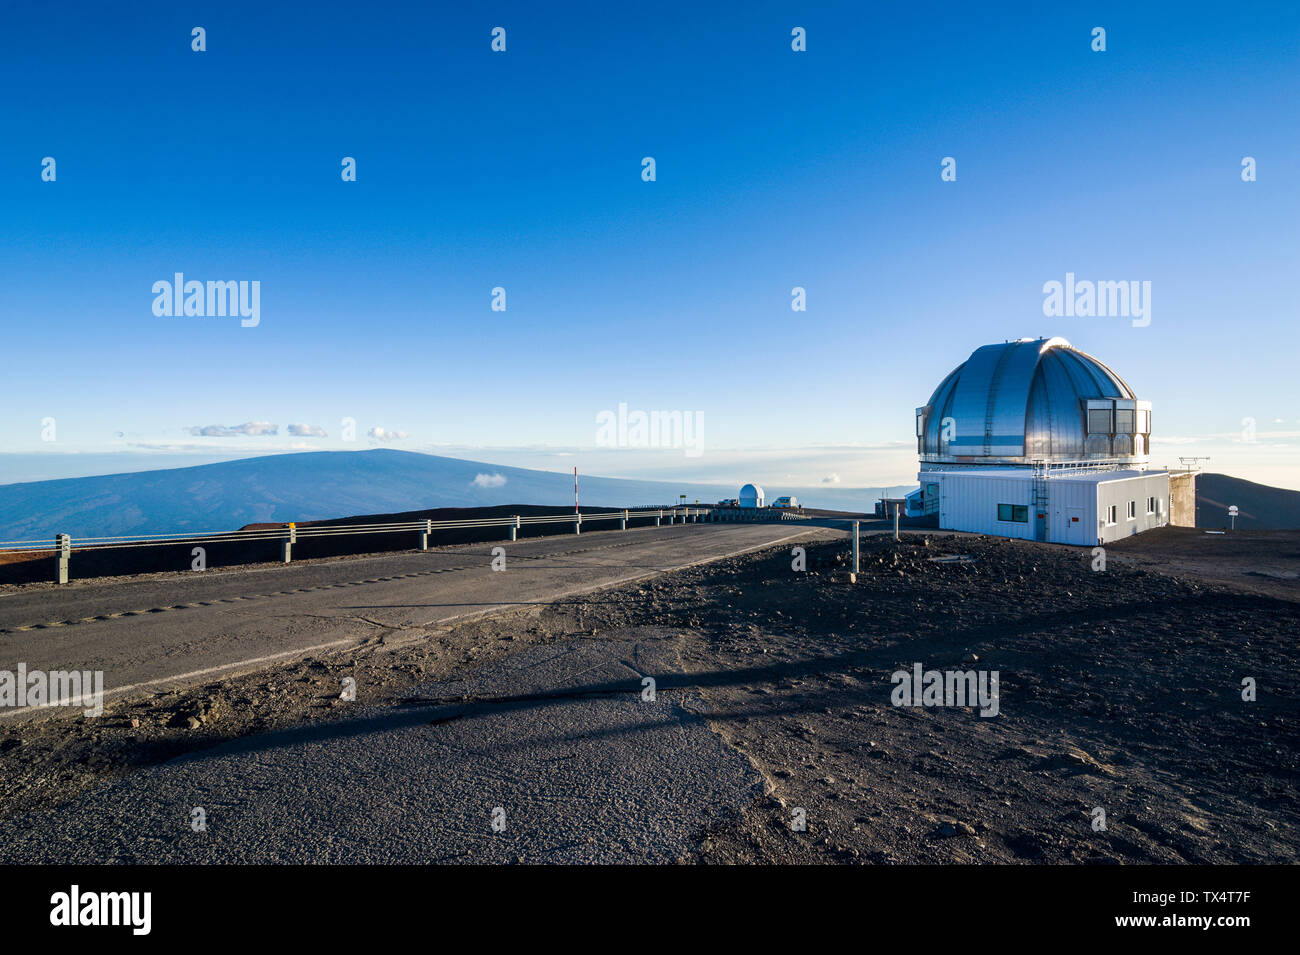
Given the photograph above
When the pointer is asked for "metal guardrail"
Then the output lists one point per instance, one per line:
(62, 545)
(753, 515)
(1050, 469)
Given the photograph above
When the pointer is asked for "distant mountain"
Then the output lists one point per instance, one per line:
(319, 485)
(1260, 507)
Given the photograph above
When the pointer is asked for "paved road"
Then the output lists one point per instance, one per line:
(176, 629)
(582, 768)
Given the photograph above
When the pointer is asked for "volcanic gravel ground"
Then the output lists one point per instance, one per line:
(1119, 690)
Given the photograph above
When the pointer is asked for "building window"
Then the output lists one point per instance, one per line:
(1124, 420)
(1014, 513)
(1099, 421)
(920, 425)
(1132, 510)
(1151, 505)
(1112, 514)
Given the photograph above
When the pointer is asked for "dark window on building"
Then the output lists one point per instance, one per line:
(1099, 421)
(1015, 513)
(1124, 421)
(1132, 510)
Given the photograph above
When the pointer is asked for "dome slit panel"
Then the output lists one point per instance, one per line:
(1099, 383)
(1058, 431)
(990, 399)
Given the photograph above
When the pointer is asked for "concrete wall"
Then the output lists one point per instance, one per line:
(1182, 499)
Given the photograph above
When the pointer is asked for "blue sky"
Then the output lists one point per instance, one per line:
(522, 170)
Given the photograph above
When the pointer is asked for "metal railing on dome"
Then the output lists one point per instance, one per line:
(1056, 468)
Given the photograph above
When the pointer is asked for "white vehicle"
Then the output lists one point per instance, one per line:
(785, 502)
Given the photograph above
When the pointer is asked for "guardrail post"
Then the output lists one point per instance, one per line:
(622, 524)
(577, 523)
(64, 553)
(659, 518)
(514, 529)
(424, 534)
(897, 508)
(286, 549)
(853, 577)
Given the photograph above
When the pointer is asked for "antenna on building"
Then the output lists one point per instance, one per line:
(1190, 463)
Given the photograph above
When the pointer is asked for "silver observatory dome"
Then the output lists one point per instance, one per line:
(1032, 400)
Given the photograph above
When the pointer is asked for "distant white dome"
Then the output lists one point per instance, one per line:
(751, 495)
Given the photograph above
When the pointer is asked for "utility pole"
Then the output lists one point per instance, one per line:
(575, 490)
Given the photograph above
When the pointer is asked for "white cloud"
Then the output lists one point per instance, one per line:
(383, 434)
(224, 431)
(831, 479)
(487, 480)
(307, 431)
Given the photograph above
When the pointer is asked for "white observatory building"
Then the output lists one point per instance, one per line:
(751, 495)
(1037, 440)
